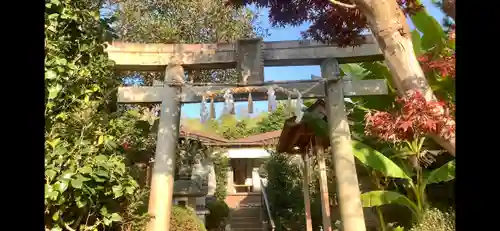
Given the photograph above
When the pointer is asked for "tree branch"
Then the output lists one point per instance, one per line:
(448, 144)
(343, 4)
(66, 225)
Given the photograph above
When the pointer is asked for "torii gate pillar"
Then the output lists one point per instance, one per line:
(351, 209)
(162, 180)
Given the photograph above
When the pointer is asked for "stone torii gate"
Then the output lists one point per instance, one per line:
(249, 56)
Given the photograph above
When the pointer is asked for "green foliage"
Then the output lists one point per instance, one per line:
(379, 198)
(416, 39)
(434, 219)
(173, 22)
(398, 228)
(221, 164)
(286, 198)
(88, 185)
(382, 168)
(443, 86)
(442, 174)
(318, 125)
(284, 192)
(185, 219)
(376, 161)
(428, 38)
(84, 184)
(230, 127)
(77, 71)
(135, 216)
(273, 121)
(433, 34)
(219, 213)
(188, 150)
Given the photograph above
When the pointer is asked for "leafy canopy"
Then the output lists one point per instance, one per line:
(173, 22)
(87, 184)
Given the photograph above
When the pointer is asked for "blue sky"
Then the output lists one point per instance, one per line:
(285, 73)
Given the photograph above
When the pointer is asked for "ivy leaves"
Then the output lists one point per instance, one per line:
(85, 172)
(77, 179)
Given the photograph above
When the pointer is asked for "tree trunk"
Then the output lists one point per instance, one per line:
(449, 8)
(388, 25)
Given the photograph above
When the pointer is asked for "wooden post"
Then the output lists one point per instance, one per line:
(351, 209)
(323, 186)
(305, 190)
(162, 181)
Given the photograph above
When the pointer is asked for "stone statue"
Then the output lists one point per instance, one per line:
(188, 187)
(199, 173)
(211, 177)
(203, 172)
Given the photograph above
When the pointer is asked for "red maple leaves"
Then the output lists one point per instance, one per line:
(443, 64)
(414, 118)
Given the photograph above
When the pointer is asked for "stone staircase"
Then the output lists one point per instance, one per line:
(245, 211)
(245, 219)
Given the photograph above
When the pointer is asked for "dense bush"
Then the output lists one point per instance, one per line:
(434, 220)
(284, 190)
(185, 219)
(88, 184)
(221, 163)
(219, 212)
(285, 194)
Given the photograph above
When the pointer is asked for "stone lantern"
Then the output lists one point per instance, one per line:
(190, 191)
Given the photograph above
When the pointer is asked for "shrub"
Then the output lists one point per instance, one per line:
(219, 212)
(88, 185)
(221, 163)
(185, 219)
(284, 192)
(434, 219)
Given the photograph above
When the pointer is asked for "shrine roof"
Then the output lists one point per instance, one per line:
(300, 134)
(261, 137)
(208, 138)
(205, 137)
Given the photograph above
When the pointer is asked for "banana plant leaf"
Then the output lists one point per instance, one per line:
(376, 160)
(433, 34)
(353, 70)
(372, 70)
(442, 174)
(415, 38)
(382, 197)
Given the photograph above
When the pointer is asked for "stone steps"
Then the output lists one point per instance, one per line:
(245, 211)
(245, 219)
